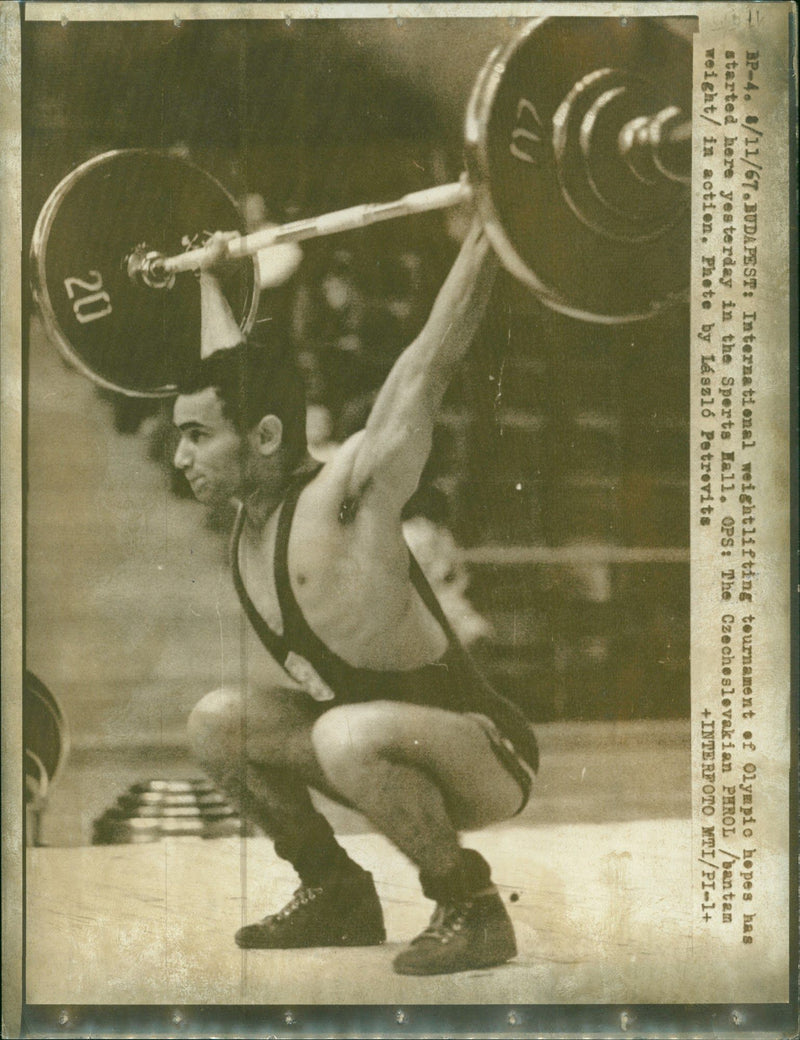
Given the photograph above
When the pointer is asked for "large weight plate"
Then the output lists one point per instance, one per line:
(529, 216)
(123, 335)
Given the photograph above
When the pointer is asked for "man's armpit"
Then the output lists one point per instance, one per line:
(350, 504)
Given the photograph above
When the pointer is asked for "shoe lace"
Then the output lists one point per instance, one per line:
(447, 921)
(302, 897)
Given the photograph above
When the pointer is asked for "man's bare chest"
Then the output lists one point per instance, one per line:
(352, 588)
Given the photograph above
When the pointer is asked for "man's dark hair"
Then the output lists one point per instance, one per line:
(252, 380)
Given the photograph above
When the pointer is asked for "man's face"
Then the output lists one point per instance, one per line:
(210, 450)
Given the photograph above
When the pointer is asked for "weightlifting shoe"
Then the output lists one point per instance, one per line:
(473, 933)
(344, 910)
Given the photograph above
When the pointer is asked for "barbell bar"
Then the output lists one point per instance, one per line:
(441, 196)
(578, 162)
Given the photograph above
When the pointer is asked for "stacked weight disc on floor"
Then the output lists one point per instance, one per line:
(154, 809)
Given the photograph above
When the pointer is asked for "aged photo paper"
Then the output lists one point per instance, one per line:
(607, 516)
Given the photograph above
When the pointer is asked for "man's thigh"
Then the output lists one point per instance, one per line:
(455, 749)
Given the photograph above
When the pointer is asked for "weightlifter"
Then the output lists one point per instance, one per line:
(366, 695)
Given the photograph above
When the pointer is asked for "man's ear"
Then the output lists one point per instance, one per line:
(269, 434)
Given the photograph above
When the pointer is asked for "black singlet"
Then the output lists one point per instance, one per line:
(452, 682)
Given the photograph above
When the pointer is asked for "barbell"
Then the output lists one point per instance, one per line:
(578, 161)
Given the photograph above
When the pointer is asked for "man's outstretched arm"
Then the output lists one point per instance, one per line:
(388, 456)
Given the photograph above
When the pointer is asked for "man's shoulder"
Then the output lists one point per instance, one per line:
(328, 499)
(335, 458)
(327, 474)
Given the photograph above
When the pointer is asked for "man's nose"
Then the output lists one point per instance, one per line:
(182, 455)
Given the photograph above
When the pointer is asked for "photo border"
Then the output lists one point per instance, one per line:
(719, 1020)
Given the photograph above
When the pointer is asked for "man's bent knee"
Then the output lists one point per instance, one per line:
(352, 735)
(267, 727)
(215, 727)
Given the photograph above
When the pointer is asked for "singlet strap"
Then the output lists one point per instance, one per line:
(294, 624)
(429, 598)
(273, 642)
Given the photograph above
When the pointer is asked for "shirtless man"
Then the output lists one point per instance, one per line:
(369, 699)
